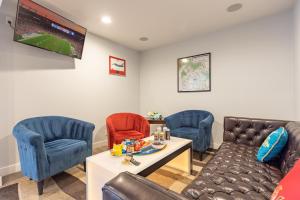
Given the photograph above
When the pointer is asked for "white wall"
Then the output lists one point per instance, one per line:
(252, 66)
(35, 82)
(297, 56)
(252, 70)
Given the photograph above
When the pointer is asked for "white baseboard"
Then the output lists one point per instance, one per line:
(4, 171)
(10, 169)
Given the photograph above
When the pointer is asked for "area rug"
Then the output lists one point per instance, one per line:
(9, 192)
(70, 185)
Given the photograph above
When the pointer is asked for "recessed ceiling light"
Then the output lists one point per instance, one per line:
(106, 19)
(144, 39)
(234, 7)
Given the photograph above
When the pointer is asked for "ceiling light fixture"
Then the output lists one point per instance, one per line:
(144, 39)
(106, 19)
(234, 7)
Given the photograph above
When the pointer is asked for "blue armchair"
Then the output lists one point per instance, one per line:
(192, 124)
(50, 145)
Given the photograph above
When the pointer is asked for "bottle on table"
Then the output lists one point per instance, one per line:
(167, 133)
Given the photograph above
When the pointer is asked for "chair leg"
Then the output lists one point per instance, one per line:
(84, 166)
(40, 186)
(200, 156)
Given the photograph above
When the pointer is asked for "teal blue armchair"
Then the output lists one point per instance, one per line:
(50, 145)
(195, 125)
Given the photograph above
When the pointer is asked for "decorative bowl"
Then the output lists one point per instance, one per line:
(158, 145)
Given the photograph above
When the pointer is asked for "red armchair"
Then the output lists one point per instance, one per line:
(121, 126)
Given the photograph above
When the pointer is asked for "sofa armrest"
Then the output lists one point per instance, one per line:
(33, 158)
(127, 186)
(291, 151)
(249, 131)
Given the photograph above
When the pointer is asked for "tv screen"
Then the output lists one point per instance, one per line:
(40, 27)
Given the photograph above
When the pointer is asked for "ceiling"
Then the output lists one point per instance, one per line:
(162, 21)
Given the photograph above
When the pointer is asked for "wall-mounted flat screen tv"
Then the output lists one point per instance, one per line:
(40, 27)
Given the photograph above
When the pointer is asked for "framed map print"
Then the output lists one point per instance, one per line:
(194, 73)
(117, 66)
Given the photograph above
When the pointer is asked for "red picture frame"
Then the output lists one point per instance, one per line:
(117, 66)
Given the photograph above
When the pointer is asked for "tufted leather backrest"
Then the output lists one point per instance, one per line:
(249, 131)
(291, 152)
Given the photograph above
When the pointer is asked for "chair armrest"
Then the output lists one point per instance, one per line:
(24, 135)
(110, 126)
(33, 157)
(110, 132)
(143, 126)
(173, 121)
(207, 122)
(127, 186)
(205, 129)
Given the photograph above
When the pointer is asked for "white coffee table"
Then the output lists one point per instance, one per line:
(103, 167)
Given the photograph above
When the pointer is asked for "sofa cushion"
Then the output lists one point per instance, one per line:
(65, 153)
(288, 187)
(272, 145)
(122, 135)
(234, 173)
(186, 132)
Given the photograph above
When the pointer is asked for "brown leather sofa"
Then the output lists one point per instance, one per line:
(233, 173)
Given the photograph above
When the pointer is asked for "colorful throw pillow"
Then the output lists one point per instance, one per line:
(272, 145)
(288, 188)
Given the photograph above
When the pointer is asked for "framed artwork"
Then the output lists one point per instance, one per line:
(194, 73)
(117, 66)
